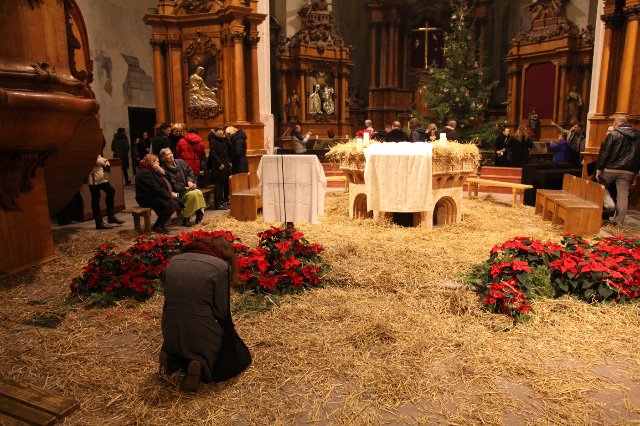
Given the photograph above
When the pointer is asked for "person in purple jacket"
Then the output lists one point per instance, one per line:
(560, 150)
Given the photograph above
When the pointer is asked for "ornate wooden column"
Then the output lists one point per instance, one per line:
(160, 81)
(285, 95)
(628, 60)
(237, 39)
(304, 78)
(174, 74)
(562, 94)
(383, 55)
(405, 60)
(390, 50)
(605, 67)
(343, 90)
(373, 64)
(513, 94)
(255, 95)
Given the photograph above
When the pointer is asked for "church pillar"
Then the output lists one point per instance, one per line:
(563, 93)
(605, 68)
(373, 64)
(390, 49)
(343, 96)
(240, 95)
(383, 56)
(628, 59)
(512, 97)
(174, 73)
(160, 81)
(255, 95)
(285, 95)
(405, 59)
(303, 95)
(586, 84)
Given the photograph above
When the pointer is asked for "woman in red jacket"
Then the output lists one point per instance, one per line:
(191, 149)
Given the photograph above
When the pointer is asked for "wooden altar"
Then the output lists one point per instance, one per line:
(205, 62)
(49, 122)
(314, 68)
(549, 71)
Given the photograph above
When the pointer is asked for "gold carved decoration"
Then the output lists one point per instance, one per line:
(200, 46)
(204, 113)
(73, 44)
(17, 168)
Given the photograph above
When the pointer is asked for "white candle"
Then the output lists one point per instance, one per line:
(359, 145)
(366, 138)
(443, 138)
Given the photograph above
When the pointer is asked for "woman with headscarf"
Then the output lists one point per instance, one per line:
(154, 191)
(183, 182)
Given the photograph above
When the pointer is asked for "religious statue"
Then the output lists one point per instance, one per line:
(292, 106)
(574, 106)
(353, 99)
(195, 6)
(507, 103)
(199, 93)
(545, 9)
(328, 105)
(533, 121)
(314, 101)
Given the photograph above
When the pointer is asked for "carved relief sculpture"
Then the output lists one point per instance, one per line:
(574, 106)
(292, 106)
(314, 101)
(328, 105)
(199, 94)
(548, 19)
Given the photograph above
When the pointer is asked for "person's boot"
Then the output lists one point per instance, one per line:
(111, 217)
(192, 379)
(100, 224)
(169, 364)
(186, 222)
(199, 216)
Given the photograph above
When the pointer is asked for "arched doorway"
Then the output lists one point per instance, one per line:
(445, 211)
(360, 207)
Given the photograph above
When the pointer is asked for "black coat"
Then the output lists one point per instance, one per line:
(239, 152)
(173, 141)
(218, 156)
(418, 134)
(142, 147)
(179, 176)
(158, 143)
(397, 135)
(120, 147)
(151, 192)
(452, 134)
(621, 150)
(519, 151)
(501, 143)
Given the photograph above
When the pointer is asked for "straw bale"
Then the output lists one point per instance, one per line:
(383, 342)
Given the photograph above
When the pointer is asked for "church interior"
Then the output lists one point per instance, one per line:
(398, 333)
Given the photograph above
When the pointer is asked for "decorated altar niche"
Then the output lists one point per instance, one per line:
(205, 60)
(314, 67)
(549, 71)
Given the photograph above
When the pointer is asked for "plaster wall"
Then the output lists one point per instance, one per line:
(123, 62)
(264, 59)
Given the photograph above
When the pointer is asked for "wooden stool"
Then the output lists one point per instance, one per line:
(138, 211)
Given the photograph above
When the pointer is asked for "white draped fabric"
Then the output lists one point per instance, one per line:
(398, 176)
(294, 181)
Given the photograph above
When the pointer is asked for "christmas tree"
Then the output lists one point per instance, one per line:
(458, 90)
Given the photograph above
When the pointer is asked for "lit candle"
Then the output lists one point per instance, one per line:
(366, 138)
(443, 138)
(359, 144)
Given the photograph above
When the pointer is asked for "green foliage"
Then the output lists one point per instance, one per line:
(458, 90)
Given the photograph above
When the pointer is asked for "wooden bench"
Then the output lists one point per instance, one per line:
(577, 206)
(244, 196)
(517, 188)
(22, 405)
(339, 179)
(207, 191)
(138, 212)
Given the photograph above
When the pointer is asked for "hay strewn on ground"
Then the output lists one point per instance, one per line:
(385, 342)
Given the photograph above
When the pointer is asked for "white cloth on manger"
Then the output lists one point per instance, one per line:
(304, 183)
(398, 177)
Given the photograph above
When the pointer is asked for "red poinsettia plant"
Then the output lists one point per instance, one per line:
(362, 132)
(607, 269)
(138, 271)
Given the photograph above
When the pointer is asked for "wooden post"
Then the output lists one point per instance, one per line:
(303, 95)
(605, 68)
(383, 56)
(255, 95)
(343, 96)
(390, 43)
(174, 74)
(627, 69)
(160, 81)
(586, 85)
(237, 38)
(405, 60)
(562, 94)
(283, 83)
(513, 84)
(373, 65)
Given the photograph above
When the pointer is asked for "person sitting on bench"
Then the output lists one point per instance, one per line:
(154, 191)
(183, 181)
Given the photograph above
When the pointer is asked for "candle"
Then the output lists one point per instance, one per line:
(443, 138)
(359, 144)
(366, 138)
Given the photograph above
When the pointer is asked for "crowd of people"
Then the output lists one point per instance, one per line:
(169, 169)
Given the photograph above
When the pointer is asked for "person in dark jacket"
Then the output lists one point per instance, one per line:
(238, 139)
(144, 146)
(501, 147)
(418, 133)
(197, 283)
(619, 162)
(576, 138)
(175, 136)
(154, 191)
(120, 147)
(451, 132)
(135, 159)
(561, 150)
(520, 146)
(99, 181)
(161, 139)
(220, 165)
(396, 134)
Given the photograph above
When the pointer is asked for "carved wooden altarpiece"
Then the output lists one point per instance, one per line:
(221, 37)
(315, 63)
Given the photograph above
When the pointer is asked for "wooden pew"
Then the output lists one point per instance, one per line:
(339, 179)
(244, 196)
(517, 188)
(577, 207)
(137, 213)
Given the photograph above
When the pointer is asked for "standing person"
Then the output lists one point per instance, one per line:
(299, 141)
(519, 145)
(183, 182)
(397, 134)
(120, 147)
(432, 132)
(418, 133)
(144, 146)
(153, 190)
(191, 150)
(196, 317)
(502, 142)
(619, 162)
(161, 139)
(561, 150)
(99, 181)
(175, 136)
(451, 132)
(238, 139)
(135, 160)
(220, 165)
(577, 139)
